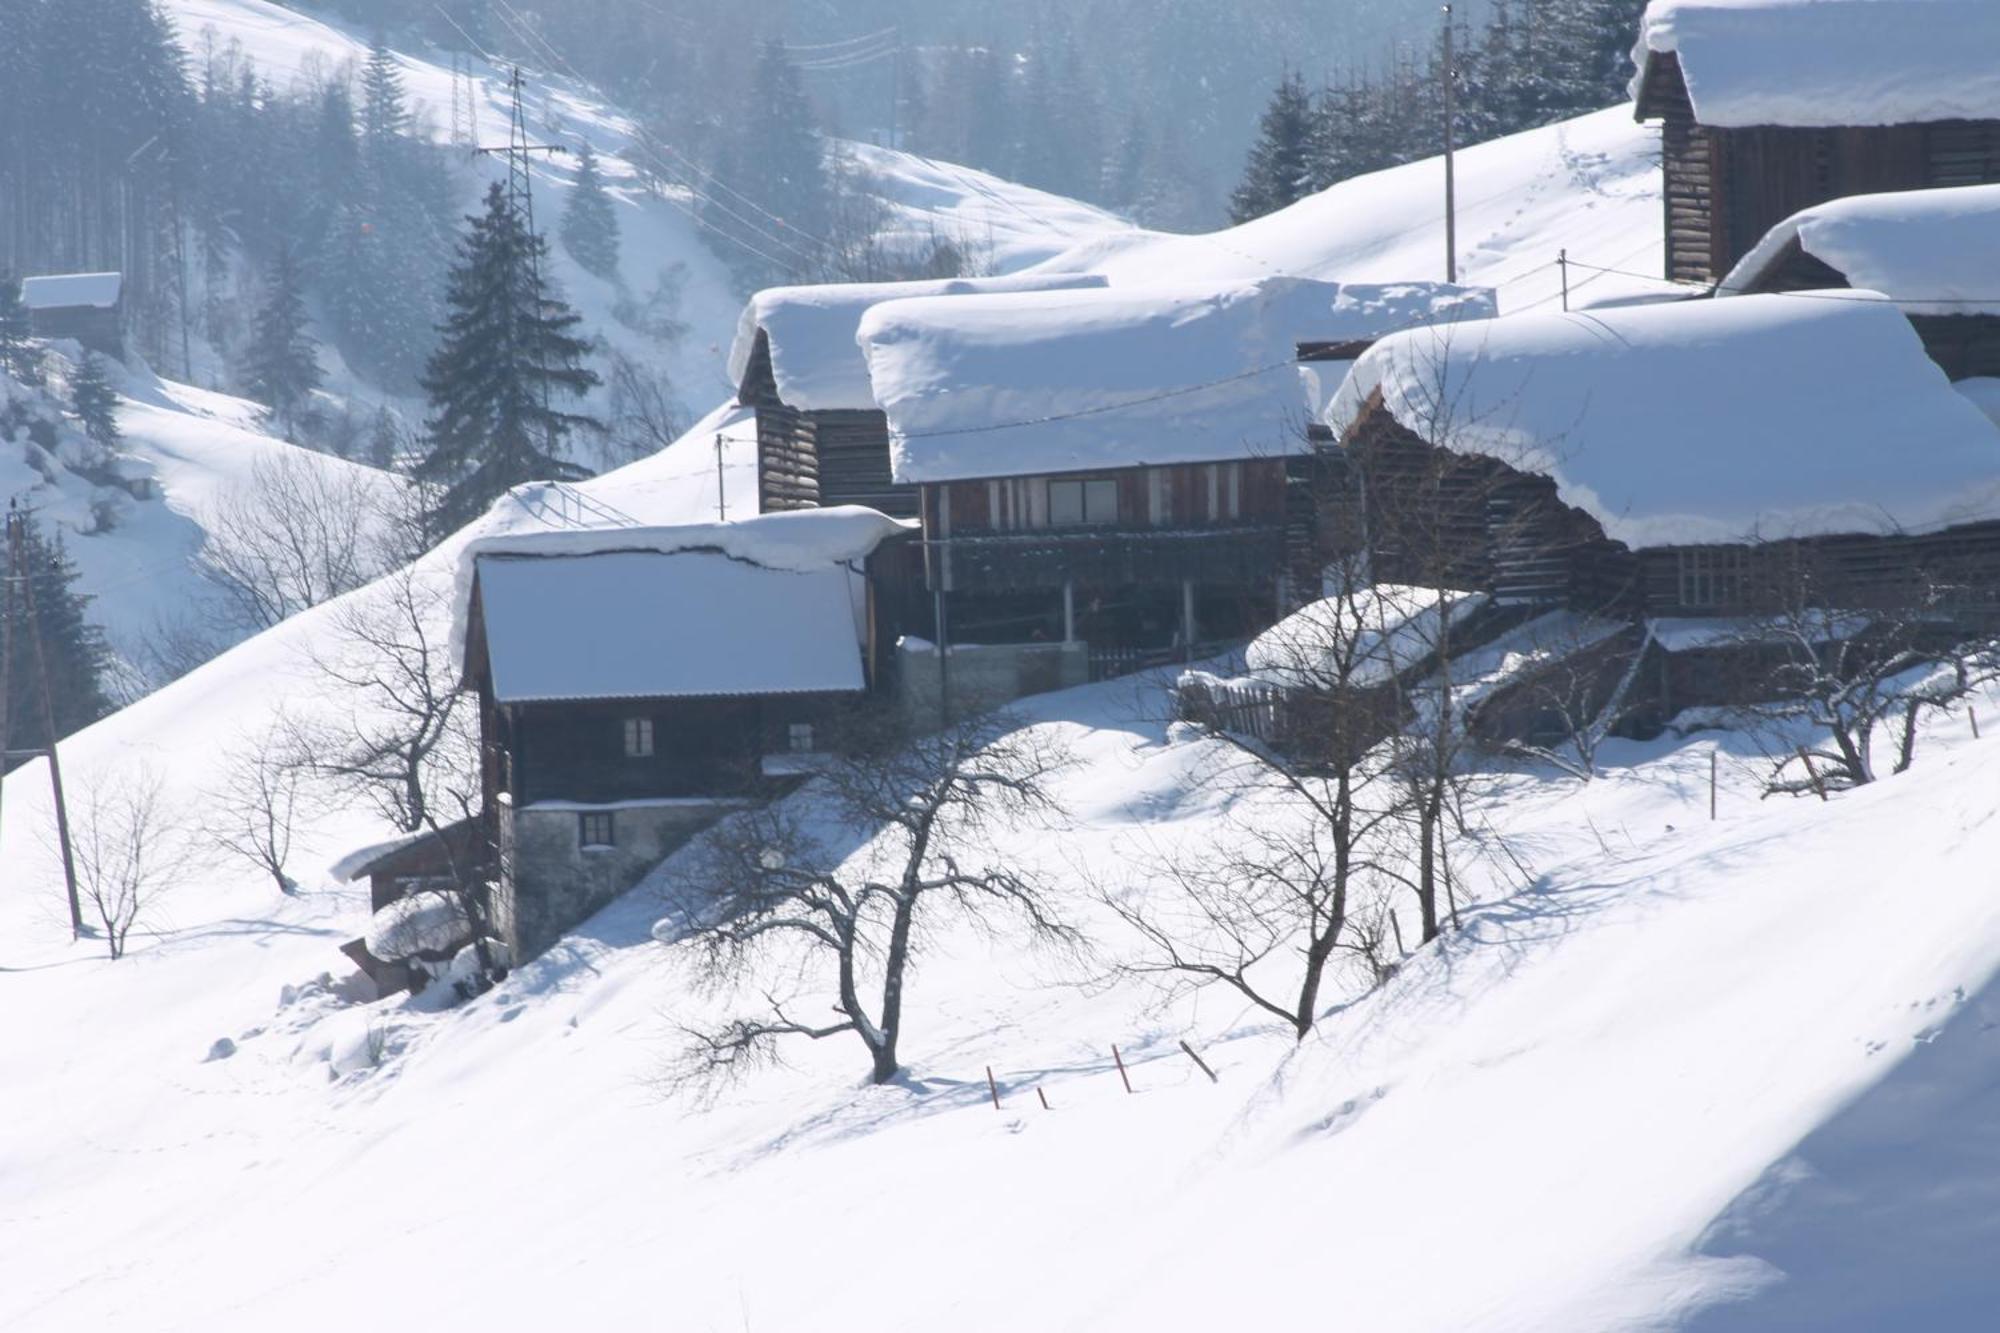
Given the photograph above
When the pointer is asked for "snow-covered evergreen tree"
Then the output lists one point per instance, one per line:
(1280, 169)
(281, 364)
(384, 116)
(385, 441)
(78, 658)
(776, 198)
(16, 357)
(507, 349)
(94, 403)
(589, 226)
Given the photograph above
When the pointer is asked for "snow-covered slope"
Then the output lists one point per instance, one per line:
(1002, 223)
(187, 452)
(1590, 186)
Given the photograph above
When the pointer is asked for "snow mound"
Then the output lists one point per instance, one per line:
(1369, 638)
(1703, 421)
(426, 922)
(1829, 62)
(1932, 252)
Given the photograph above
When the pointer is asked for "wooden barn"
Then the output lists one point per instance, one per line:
(1107, 470)
(821, 438)
(88, 307)
(1935, 253)
(1768, 107)
(636, 684)
(1671, 464)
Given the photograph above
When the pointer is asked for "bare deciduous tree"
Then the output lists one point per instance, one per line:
(301, 532)
(781, 881)
(405, 725)
(253, 812)
(130, 849)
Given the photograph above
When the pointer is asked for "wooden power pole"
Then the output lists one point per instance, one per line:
(18, 616)
(1450, 145)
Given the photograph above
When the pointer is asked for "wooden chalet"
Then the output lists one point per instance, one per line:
(88, 307)
(1689, 464)
(1935, 253)
(1770, 107)
(1109, 469)
(635, 685)
(821, 439)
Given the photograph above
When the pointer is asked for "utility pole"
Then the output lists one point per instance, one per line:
(721, 496)
(521, 202)
(1450, 181)
(18, 612)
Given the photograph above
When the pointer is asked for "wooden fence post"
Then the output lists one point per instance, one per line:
(1121, 1066)
(1044, 1096)
(1201, 1063)
(993, 1087)
(1811, 772)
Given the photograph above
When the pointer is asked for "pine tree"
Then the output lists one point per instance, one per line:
(384, 117)
(506, 349)
(16, 356)
(589, 227)
(281, 365)
(78, 658)
(779, 203)
(385, 441)
(1280, 169)
(94, 403)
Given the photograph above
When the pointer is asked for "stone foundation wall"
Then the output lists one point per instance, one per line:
(550, 881)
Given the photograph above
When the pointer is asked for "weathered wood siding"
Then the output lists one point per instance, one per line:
(851, 452)
(1726, 187)
(787, 460)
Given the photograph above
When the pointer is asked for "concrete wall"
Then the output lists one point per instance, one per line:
(986, 676)
(549, 881)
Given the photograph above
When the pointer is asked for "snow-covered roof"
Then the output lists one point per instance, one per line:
(66, 291)
(814, 358)
(1829, 62)
(767, 605)
(1933, 252)
(1758, 417)
(1368, 637)
(1123, 377)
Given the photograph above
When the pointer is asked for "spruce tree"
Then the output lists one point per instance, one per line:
(1280, 169)
(385, 441)
(94, 403)
(384, 117)
(506, 349)
(281, 365)
(16, 356)
(78, 658)
(589, 227)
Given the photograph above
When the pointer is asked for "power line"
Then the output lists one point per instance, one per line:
(1695, 286)
(891, 31)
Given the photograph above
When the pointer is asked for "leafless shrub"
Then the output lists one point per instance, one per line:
(130, 849)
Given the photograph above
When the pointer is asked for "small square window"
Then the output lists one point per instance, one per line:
(799, 736)
(596, 829)
(1065, 504)
(638, 737)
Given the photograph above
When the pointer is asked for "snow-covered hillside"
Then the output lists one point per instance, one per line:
(1006, 224)
(1589, 186)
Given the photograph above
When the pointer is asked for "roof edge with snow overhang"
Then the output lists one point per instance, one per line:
(1706, 422)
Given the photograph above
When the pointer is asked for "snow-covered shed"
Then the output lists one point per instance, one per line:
(820, 436)
(1772, 106)
(1935, 253)
(635, 683)
(1639, 456)
(83, 306)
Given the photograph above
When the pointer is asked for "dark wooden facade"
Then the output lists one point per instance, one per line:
(1964, 346)
(99, 329)
(808, 459)
(1725, 187)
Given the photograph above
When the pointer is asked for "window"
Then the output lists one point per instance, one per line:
(1711, 576)
(1075, 504)
(595, 829)
(638, 737)
(799, 737)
